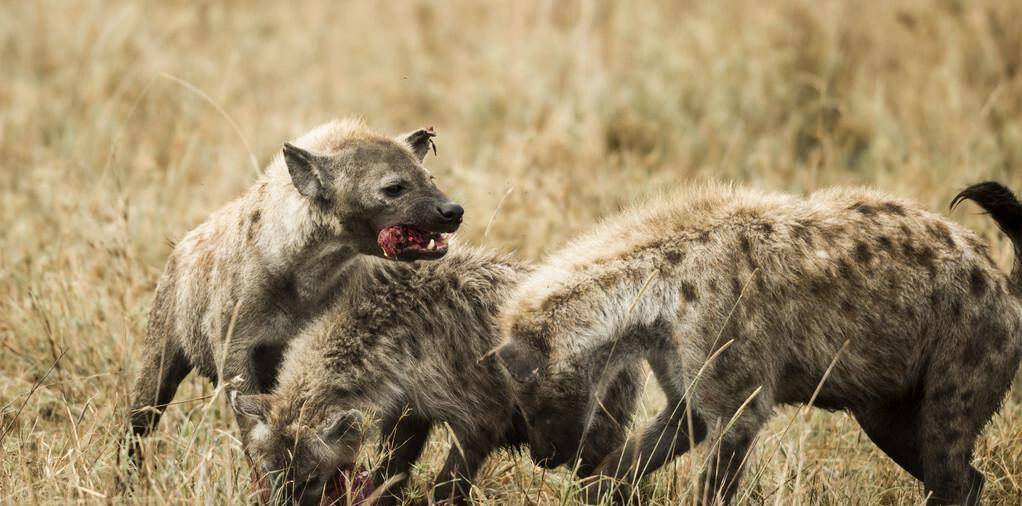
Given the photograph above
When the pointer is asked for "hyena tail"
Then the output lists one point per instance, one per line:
(1005, 209)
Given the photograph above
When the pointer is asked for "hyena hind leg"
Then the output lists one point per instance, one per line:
(895, 430)
(953, 418)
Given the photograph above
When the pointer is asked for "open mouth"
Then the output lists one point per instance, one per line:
(405, 242)
(350, 485)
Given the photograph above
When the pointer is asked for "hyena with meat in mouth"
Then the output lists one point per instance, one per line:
(267, 263)
(404, 341)
(740, 301)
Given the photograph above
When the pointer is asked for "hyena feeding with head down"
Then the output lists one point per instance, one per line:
(404, 341)
(740, 301)
(267, 263)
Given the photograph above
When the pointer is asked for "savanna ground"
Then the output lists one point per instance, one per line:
(123, 124)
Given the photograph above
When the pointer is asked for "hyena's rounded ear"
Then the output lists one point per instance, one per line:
(308, 171)
(255, 407)
(345, 427)
(421, 141)
(525, 364)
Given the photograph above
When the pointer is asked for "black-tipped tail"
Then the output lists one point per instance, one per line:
(1000, 203)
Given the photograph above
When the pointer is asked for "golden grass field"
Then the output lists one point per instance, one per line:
(124, 124)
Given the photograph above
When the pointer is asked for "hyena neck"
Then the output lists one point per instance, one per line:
(302, 247)
(632, 318)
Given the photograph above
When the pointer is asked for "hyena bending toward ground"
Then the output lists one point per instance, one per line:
(270, 261)
(741, 301)
(404, 341)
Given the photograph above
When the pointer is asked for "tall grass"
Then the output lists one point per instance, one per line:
(123, 124)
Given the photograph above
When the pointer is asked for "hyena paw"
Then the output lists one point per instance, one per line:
(604, 490)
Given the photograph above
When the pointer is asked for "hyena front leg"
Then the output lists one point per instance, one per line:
(735, 413)
(674, 431)
(163, 369)
(402, 437)
(454, 483)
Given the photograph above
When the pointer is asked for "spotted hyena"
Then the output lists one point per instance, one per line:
(404, 342)
(239, 286)
(740, 301)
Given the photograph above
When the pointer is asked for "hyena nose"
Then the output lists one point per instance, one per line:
(451, 212)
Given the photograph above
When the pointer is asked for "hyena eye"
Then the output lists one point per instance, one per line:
(394, 190)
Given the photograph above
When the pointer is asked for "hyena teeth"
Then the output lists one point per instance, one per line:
(431, 245)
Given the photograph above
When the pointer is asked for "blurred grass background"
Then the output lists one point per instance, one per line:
(124, 124)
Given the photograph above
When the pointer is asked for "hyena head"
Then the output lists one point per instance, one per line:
(378, 191)
(567, 421)
(300, 459)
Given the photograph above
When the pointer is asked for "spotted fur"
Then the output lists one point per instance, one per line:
(404, 342)
(736, 297)
(266, 264)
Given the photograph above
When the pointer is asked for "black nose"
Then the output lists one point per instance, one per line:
(451, 212)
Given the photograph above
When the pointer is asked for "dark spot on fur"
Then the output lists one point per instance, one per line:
(925, 256)
(848, 308)
(886, 244)
(941, 232)
(1000, 340)
(688, 291)
(862, 253)
(766, 228)
(905, 231)
(736, 286)
(942, 394)
(965, 397)
(761, 283)
(819, 286)
(977, 281)
(863, 208)
(746, 247)
(893, 208)
(673, 256)
(974, 350)
(845, 269)
(253, 225)
(956, 308)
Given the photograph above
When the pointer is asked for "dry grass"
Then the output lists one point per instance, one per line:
(115, 138)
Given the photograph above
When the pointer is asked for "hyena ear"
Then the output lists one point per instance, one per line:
(308, 171)
(523, 363)
(421, 141)
(255, 407)
(344, 428)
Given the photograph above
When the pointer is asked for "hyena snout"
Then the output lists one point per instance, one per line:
(421, 225)
(450, 212)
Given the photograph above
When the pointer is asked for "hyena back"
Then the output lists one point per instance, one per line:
(740, 301)
(267, 263)
(404, 341)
